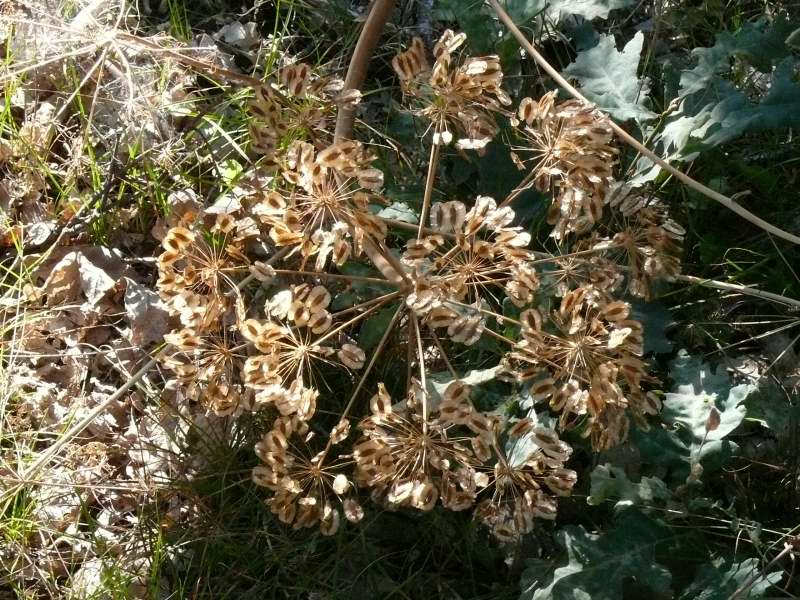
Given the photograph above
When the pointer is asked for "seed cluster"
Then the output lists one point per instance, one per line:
(471, 281)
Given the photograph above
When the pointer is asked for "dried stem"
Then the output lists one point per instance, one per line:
(357, 70)
(324, 275)
(372, 361)
(740, 592)
(633, 142)
(421, 359)
(357, 318)
(426, 199)
(742, 289)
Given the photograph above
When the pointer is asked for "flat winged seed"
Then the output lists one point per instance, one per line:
(329, 523)
(475, 66)
(412, 62)
(616, 311)
(320, 321)
(381, 403)
(340, 484)
(448, 217)
(617, 337)
(442, 138)
(178, 239)
(449, 42)
(262, 475)
(353, 511)
(262, 271)
(466, 329)
(295, 78)
(400, 491)
(543, 389)
(250, 329)
(531, 320)
(424, 496)
(520, 428)
(441, 316)
(352, 356)
(340, 431)
(370, 179)
(318, 298)
(457, 392)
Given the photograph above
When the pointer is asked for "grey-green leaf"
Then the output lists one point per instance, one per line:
(719, 580)
(684, 440)
(609, 483)
(597, 566)
(608, 78)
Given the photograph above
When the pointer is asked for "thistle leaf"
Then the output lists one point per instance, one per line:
(686, 440)
(720, 579)
(608, 78)
(611, 483)
(598, 565)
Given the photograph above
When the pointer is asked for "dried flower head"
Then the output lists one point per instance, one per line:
(528, 472)
(571, 150)
(290, 344)
(645, 239)
(196, 270)
(298, 104)
(308, 486)
(476, 256)
(406, 456)
(207, 366)
(457, 100)
(586, 364)
(323, 213)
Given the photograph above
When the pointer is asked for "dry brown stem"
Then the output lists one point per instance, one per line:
(357, 71)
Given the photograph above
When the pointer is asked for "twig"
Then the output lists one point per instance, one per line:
(788, 548)
(742, 289)
(429, 179)
(357, 71)
(629, 139)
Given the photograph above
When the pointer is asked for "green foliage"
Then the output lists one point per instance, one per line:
(720, 579)
(774, 409)
(608, 78)
(689, 437)
(745, 82)
(597, 566)
(659, 320)
(611, 483)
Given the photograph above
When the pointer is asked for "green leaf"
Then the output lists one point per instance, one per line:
(698, 389)
(761, 44)
(374, 327)
(656, 320)
(770, 407)
(611, 483)
(731, 114)
(399, 211)
(597, 566)
(715, 109)
(719, 580)
(608, 78)
(686, 410)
